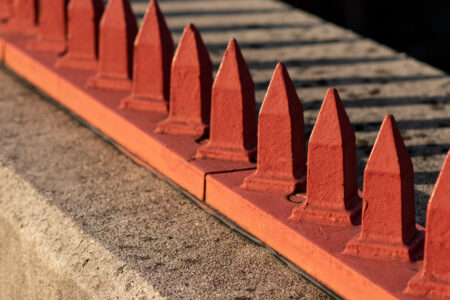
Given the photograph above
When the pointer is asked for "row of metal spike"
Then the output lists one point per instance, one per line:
(224, 110)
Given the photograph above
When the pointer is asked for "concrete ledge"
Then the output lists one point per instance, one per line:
(42, 262)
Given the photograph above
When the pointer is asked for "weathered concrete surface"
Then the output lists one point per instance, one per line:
(56, 174)
(44, 255)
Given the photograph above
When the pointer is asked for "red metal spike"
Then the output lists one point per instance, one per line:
(52, 27)
(118, 29)
(332, 183)
(233, 111)
(434, 279)
(84, 18)
(388, 227)
(23, 17)
(5, 9)
(281, 162)
(190, 87)
(153, 52)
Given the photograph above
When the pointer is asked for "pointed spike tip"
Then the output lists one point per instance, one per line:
(332, 125)
(332, 93)
(281, 73)
(190, 27)
(154, 30)
(233, 72)
(280, 65)
(281, 95)
(232, 46)
(389, 124)
(389, 151)
(389, 120)
(331, 104)
(154, 7)
(191, 50)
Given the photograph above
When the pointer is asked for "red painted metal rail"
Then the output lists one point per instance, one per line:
(165, 111)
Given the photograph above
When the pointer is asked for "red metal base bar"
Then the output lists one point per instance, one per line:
(317, 249)
(174, 156)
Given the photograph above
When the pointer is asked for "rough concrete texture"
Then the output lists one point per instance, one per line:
(44, 255)
(179, 250)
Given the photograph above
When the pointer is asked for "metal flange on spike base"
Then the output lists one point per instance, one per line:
(361, 245)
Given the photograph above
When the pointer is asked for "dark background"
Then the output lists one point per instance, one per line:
(419, 28)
